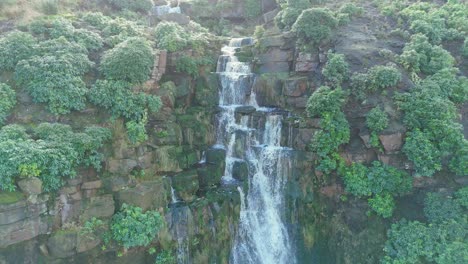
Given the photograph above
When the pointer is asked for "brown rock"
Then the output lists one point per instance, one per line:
(31, 185)
(392, 142)
(306, 62)
(91, 185)
(295, 87)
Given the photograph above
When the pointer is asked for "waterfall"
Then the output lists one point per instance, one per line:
(262, 237)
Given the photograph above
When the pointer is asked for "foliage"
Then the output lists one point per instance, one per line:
(325, 100)
(119, 98)
(351, 9)
(336, 70)
(381, 77)
(383, 204)
(171, 37)
(252, 8)
(422, 152)
(133, 5)
(314, 25)
(465, 48)
(14, 47)
(7, 101)
(53, 76)
(445, 83)
(91, 226)
(286, 18)
(132, 227)
(356, 181)
(377, 120)
(131, 61)
(438, 208)
(54, 153)
(190, 65)
(49, 7)
(165, 257)
(461, 197)
(136, 130)
(421, 56)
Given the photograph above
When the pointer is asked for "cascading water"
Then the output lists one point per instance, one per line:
(262, 237)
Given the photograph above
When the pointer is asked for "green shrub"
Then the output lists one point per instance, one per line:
(459, 161)
(383, 204)
(97, 20)
(131, 227)
(438, 208)
(133, 5)
(49, 7)
(461, 197)
(356, 181)
(131, 61)
(377, 120)
(165, 257)
(420, 56)
(7, 101)
(286, 18)
(382, 77)
(351, 9)
(136, 131)
(54, 77)
(465, 48)
(14, 47)
(53, 155)
(446, 84)
(423, 153)
(336, 70)
(325, 100)
(171, 37)
(191, 65)
(314, 25)
(252, 8)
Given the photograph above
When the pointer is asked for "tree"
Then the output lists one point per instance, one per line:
(131, 61)
(314, 25)
(7, 101)
(336, 70)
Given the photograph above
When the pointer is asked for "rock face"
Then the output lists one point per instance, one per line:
(392, 142)
(31, 186)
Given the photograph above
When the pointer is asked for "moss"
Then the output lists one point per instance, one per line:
(10, 197)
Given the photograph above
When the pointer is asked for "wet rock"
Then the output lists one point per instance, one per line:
(31, 185)
(240, 170)
(245, 110)
(210, 175)
(392, 142)
(168, 134)
(206, 90)
(62, 244)
(295, 87)
(215, 156)
(303, 138)
(186, 184)
(100, 206)
(147, 195)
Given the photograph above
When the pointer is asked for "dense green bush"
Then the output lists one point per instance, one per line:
(314, 25)
(423, 153)
(382, 77)
(14, 47)
(438, 208)
(445, 83)
(54, 76)
(133, 5)
(351, 9)
(171, 37)
(131, 227)
(377, 120)
(286, 18)
(7, 101)
(136, 130)
(336, 70)
(325, 100)
(379, 183)
(252, 8)
(52, 155)
(131, 61)
(465, 48)
(421, 56)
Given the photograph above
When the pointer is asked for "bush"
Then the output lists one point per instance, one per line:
(49, 7)
(133, 5)
(382, 77)
(356, 181)
(446, 84)
(420, 56)
(252, 8)
(7, 101)
(351, 9)
(438, 208)
(131, 61)
(131, 227)
(14, 47)
(383, 204)
(465, 48)
(314, 25)
(286, 18)
(53, 76)
(377, 120)
(336, 70)
(423, 153)
(136, 131)
(54, 153)
(171, 37)
(325, 100)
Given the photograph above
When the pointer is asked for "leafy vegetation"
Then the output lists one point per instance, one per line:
(336, 70)
(325, 101)
(131, 227)
(7, 101)
(133, 5)
(314, 25)
(14, 47)
(376, 79)
(53, 151)
(131, 61)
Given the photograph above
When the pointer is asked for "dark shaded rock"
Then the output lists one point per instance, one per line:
(210, 175)
(303, 138)
(275, 55)
(245, 110)
(148, 195)
(215, 156)
(240, 170)
(186, 184)
(273, 67)
(295, 87)
(272, 41)
(297, 102)
(62, 244)
(100, 206)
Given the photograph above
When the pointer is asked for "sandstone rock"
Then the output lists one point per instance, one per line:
(332, 191)
(268, 5)
(91, 185)
(23, 230)
(365, 136)
(392, 143)
(272, 41)
(145, 161)
(306, 62)
(31, 185)
(297, 102)
(100, 206)
(148, 195)
(69, 189)
(274, 67)
(303, 137)
(87, 242)
(275, 55)
(62, 244)
(295, 87)
(121, 166)
(10, 213)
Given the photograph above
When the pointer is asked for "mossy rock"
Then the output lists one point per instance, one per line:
(10, 197)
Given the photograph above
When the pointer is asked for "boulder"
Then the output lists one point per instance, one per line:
(306, 62)
(23, 230)
(210, 175)
(13, 212)
(62, 244)
(99, 206)
(295, 87)
(392, 142)
(87, 242)
(31, 185)
(303, 138)
(147, 195)
(186, 184)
